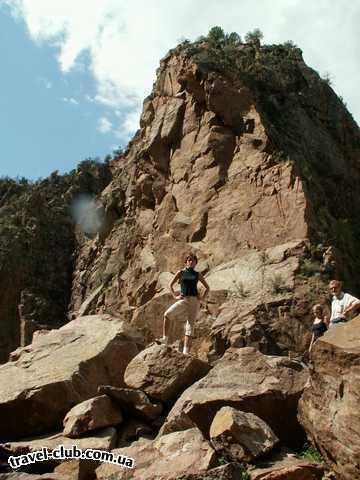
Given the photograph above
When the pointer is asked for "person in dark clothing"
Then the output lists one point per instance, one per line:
(320, 324)
(187, 306)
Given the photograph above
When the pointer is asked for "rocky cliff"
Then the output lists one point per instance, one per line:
(246, 157)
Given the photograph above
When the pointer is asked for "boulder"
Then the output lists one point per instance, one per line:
(240, 436)
(328, 409)
(247, 380)
(165, 458)
(60, 369)
(98, 412)
(134, 402)
(164, 373)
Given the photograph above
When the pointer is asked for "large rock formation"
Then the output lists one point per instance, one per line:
(60, 369)
(239, 157)
(247, 380)
(329, 405)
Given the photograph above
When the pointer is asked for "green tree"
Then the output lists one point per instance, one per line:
(216, 35)
(233, 38)
(289, 44)
(254, 37)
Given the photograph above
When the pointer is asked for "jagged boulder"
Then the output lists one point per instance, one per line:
(163, 373)
(328, 409)
(240, 436)
(97, 412)
(60, 369)
(134, 402)
(165, 458)
(247, 380)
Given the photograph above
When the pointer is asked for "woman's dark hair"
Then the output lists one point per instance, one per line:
(191, 256)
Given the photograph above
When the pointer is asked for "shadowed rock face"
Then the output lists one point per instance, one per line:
(328, 409)
(37, 243)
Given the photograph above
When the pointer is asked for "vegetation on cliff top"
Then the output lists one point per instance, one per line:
(265, 66)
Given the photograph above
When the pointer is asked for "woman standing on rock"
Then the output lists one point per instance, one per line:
(188, 302)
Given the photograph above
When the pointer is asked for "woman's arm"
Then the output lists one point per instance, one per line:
(203, 281)
(174, 280)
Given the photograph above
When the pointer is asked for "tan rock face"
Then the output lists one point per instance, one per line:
(166, 458)
(163, 373)
(222, 166)
(201, 161)
(61, 369)
(94, 413)
(247, 380)
(328, 409)
(240, 436)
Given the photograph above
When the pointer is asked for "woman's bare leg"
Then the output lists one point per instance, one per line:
(187, 344)
(166, 329)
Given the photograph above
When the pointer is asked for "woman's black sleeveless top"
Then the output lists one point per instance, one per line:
(319, 329)
(188, 280)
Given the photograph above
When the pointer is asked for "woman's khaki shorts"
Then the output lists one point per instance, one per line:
(185, 309)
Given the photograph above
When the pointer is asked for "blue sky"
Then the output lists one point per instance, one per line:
(74, 73)
(48, 120)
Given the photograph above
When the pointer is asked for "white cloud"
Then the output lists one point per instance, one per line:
(104, 125)
(131, 123)
(125, 40)
(70, 100)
